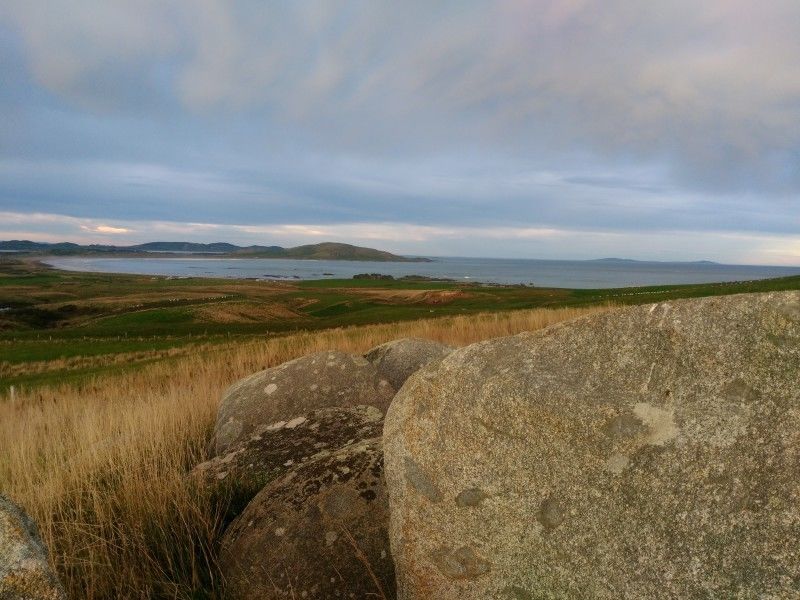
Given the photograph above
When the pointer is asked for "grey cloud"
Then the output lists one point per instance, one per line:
(343, 191)
(713, 88)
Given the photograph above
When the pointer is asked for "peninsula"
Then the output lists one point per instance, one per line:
(322, 251)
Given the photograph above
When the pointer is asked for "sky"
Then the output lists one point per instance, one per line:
(516, 128)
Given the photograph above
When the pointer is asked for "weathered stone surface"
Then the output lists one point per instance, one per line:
(397, 360)
(273, 450)
(279, 394)
(24, 571)
(321, 531)
(650, 452)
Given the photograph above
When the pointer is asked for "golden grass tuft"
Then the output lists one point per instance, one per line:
(102, 466)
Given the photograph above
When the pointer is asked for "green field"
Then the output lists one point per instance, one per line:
(59, 325)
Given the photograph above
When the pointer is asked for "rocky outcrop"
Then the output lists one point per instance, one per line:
(301, 463)
(397, 360)
(319, 531)
(325, 379)
(651, 452)
(272, 450)
(24, 571)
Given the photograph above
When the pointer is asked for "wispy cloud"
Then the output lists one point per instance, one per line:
(105, 229)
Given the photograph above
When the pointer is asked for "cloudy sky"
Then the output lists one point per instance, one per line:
(514, 128)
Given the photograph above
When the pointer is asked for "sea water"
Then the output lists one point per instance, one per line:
(542, 273)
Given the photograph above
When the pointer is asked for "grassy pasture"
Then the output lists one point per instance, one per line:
(68, 326)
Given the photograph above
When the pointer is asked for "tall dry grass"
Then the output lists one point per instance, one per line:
(102, 466)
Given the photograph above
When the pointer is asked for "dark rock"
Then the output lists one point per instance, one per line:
(269, 452)
(320, 531)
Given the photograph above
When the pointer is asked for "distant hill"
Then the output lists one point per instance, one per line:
(218, 247)
(632, 260)
(323, 251)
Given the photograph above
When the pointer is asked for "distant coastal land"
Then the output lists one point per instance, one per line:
(632, 260)
(322, 251)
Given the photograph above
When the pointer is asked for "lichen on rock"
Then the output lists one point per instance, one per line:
(321, 380)
(272, 450)
(320, 531)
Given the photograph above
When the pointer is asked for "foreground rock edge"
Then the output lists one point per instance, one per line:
(25, 573)
(459, 438)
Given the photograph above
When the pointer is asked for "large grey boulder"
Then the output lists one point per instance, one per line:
(281, 393)
(272, 450)
(318, 532)
(651, 452)
(397, 360)
(25, 573)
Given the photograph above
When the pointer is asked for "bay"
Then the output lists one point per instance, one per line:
(541, 273)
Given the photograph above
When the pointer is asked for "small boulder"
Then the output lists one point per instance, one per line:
(397, 360)
(318, 532)
(25, 573)
(650, 452)
(271, 451)
(294, 388)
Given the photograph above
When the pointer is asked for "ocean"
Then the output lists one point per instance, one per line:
(541, 273)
